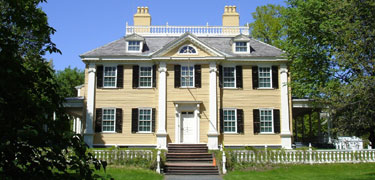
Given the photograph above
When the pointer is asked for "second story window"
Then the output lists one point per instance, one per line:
(229, 78)
(145, 76)
(109, 76)
(187, 76)
(134, 46)
(264, 77)
(187, 50)
(241, 47)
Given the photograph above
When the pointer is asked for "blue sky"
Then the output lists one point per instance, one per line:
(83, 25)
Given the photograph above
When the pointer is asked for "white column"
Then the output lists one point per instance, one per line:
(78, 125)
(212, 131)
(286, 136)
(161, 134)
(89, 132)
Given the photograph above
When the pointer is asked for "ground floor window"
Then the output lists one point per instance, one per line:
(144, 119)
(230, 121)
(109, 119)
(266, 121)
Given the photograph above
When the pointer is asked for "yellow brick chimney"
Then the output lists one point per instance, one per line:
(142, 17)
(230, 16)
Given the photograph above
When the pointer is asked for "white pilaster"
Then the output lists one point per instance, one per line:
(286, 136)
(161, 134)
(89, 132)
(212, 131)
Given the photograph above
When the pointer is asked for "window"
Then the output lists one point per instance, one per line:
(109, 75)
(264, 77)
(145, 76)
(187, 50)
(187, 76)
(230, 121)
(144, 120)
(134, 46)
(108, 118)
(229, 77)
(266, 121)
(241, 47)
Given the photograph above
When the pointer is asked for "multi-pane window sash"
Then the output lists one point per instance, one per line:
(109, 119)
(109, 76)
(229, 79)
(266, 121)
(144, 120)
(241, 46)
(264, 77)
(134, 45)
(187, 76)
(187, 50)
(145, 76)
(230, 121)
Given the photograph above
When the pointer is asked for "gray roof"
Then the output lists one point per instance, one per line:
(153, 44)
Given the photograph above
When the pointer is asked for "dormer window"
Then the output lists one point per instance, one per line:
(187, 50)
(241, 46)
(134, 46)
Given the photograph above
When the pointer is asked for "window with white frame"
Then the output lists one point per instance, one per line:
(109, 76)
(187, 50)
(264, 77)
(230, 120)
(229, 78)
(145, 76)
(241, 46)
(187, 76)
(108, 120)
(144, 119)
(266, 121)
(134, 46)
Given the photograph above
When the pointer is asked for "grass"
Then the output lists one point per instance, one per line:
(126, 172)
(362, 171)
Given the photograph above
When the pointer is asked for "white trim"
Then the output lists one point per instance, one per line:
(191, 45)
(114, 121)
(235, 115)
(260, 121)
(145, 108)
(161, 134)
(286, 135)
(115, 66)
(235, 78)
(140, 47)
(139, 77)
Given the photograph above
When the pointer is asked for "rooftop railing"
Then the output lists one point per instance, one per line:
(179, 30)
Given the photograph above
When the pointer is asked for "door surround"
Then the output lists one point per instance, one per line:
(182, 106)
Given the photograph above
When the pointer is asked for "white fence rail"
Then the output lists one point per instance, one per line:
(111, 156)
(303, 157)
(178, 30)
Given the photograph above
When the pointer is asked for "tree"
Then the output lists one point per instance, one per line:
(269, 25)
(331, 44)
(68, 79)
(32, 144)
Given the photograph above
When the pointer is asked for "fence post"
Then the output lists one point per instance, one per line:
(158, 162)
(310, 154)
(224, 159)
(265, 149)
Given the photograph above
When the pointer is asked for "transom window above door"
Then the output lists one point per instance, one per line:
(187, 50)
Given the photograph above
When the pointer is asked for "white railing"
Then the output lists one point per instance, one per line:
(111, 156)
(303, 157)
(179, 30)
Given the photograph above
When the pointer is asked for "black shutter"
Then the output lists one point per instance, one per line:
(134, 120)
(120, 76)
(256, 119)
(153, 119)
(220, 76)
(240, 121)
(255, 77)
(276, 121)
(98, 121)
(118, 120)
(239, 76)
(275, 77)
(198, 76)
(221, 121)
(154, 75)
(177, 76)
(99, 76)
(135, 76)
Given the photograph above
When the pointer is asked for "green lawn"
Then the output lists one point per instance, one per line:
(130, 173)
(325, 171)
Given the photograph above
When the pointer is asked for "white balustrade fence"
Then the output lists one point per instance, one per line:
(303, 157)
(179, 30)
(112, 156)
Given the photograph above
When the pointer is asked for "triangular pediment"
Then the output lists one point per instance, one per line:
(172, 49)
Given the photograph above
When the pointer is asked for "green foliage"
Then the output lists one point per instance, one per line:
(269, 26)
(68, 79)
(131, 173)
(33, 145)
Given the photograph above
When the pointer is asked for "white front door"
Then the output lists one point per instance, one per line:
(188, 128)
